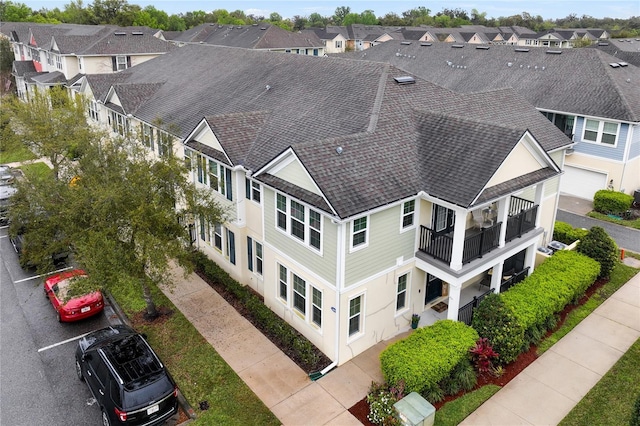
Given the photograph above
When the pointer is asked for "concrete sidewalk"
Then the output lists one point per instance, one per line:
(545, 391)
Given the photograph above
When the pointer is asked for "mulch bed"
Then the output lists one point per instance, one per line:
(361, 409)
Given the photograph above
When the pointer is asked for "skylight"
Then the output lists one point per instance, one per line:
(522, 49)
(554, 52)
(426, 44)
(407, 79)
(457, 46)
(482, 47)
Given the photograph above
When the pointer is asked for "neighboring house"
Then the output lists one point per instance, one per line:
(623, 49)
(69, 49)
(591, 96)
(352, 202)
(261, 36)
(334, 42)
(563, 37)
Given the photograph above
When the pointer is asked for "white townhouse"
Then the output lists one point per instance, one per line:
(353, 202)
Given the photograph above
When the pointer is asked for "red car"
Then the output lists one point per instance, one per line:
(76, 308)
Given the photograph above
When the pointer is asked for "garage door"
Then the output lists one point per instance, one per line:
(582, 183)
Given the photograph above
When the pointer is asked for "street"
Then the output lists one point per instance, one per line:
(38, 383)
(626, 238)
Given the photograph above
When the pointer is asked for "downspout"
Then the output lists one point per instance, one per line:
(339, 279)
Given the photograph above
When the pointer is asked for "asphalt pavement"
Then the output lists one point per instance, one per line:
(626, 238)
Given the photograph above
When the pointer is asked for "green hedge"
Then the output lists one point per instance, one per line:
(428, 355)
(567, 234)
(560, 280)
(599, 246)
(605, 201)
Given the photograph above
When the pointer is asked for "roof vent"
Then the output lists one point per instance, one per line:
(404, 79)
(254, 25)
(457, 46)
(482, 47)
(614, 65)
(137, 33)
(554, 52)
(623, 64)
(426, 44)
(339, 150)
(521, 49)
(406, 43)
(263, 28)
(602, 43)
(119, 33)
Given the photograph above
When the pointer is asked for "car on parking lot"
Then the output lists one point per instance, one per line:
(8, 177)
(68, 309)
(129, 382)
(22, 247)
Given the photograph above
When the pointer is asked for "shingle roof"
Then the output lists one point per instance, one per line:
(382, 126)
(577, 81)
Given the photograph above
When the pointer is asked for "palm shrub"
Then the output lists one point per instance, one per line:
(598, 245)
(462, 377)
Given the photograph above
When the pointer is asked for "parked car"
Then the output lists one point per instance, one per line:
(76, 308)
(126, 377)
(21, 247)
(8, 176)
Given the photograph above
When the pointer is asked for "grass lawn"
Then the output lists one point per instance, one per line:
(452, 413)
(611, 400)
(14, 154)
(629, 223)
(37, 170)
(201, 374)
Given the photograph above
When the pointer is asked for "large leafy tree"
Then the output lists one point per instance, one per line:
(119, 210)
(48, 125)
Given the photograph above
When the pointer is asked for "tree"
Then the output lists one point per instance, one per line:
(14, 12)
(341, 13)
(299, 23)
(417, 16)
(107, 11)
(48, 124)
(275, 17)
(392, 19)
(367, 17)
(599, 246)
(318, 21)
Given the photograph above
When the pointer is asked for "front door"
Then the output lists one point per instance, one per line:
(433, 288)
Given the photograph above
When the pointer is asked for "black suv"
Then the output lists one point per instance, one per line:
(126, 377)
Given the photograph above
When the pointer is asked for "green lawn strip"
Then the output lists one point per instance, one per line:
(38, 170)
(15, 154)
(619, 276)
(628, 223)
(611, 400)
(452, 413)
(201, 374)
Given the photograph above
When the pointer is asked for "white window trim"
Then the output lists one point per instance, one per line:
(307, 226)
(288, 303)
(312, 305)
(256, 187)
(366, 235)
(286, 282)
(402, 216)
(407, 292)
(360, 333)
(598, 140)
(256, 257)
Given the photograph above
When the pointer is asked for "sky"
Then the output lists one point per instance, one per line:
(548, 9)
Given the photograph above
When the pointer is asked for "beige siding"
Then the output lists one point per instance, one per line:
(385, 245)
(323, 264)
(519, 162)
(296, 174)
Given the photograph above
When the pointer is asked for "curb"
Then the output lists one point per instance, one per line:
(115, 315)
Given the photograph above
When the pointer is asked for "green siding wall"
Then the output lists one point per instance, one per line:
(323, 265)
(386, 244)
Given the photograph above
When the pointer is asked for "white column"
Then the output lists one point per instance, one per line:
(458, 239)
(503, 216)
(454, 301)
(496, 277)
(538, 201)
(530, 258)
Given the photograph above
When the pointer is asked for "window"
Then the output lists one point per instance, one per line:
(258, 258)
(93, 110)
(316, 306)
(147, 139)
(204, 231)
(600, 131)
(338, 44)
(408, 210)
(281, 205)
(300, 221)
(165, 143)
(219, 178)
(202, 167)
(119, 123)
(58, 62)
(284, 290)
(120, 63)
(217, 236)
(355, 310)
(255, 191)
(250, 253)
(231, 247)
(297, 220)
(299, 294)
(49, 58)
(359, 232)
(401, 292)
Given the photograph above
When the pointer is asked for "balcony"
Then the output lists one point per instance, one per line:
(478, 242)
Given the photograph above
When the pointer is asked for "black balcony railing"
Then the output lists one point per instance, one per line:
(476, 244)
(465, 313)
(514, 279)
(522, 218)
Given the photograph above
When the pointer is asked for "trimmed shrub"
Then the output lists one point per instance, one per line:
(600, 247)
(606, 201)
(427, 356)
(495, 321)
(567, 234)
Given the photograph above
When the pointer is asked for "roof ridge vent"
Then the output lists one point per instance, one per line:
(120, 33)
(554, 52)
(406, 79)
(521, 49)
(623, 64)
(426, 44)
(482, 47)
(614, 65)
(457, 46)
(406, 43)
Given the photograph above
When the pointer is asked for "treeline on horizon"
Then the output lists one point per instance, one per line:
(120, 12)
